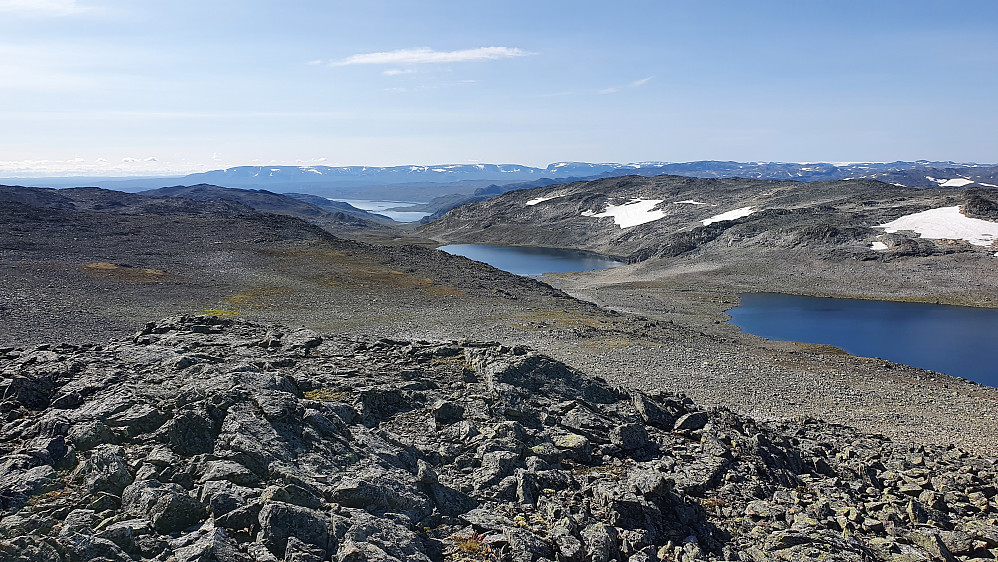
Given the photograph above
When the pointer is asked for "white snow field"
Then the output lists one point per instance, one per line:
(946, 222)
(533, 202)
(954, 182)
(729, 216)
(878, 245)
(632, 213)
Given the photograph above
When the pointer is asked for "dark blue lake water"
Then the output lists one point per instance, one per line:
(956, 340)
(523, 260)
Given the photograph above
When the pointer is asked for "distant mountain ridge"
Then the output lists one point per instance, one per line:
(423, 183)
(380, 175)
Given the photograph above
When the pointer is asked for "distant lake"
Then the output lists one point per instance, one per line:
(956, 340)
(528, 260)
(380, 206)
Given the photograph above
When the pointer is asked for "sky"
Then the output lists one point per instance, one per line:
(142, 87)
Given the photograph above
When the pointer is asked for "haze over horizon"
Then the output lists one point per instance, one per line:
(116, 88)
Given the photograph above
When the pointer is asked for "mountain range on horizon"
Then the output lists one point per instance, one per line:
(421, 183)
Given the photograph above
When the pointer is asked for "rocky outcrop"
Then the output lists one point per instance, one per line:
(202, 439)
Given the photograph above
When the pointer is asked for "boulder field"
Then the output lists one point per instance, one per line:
(207, 439)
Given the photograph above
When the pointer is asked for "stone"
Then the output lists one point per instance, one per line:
(574, 446)
(601, 543)
(214, 545)
(570, 548)
(932, 544)
(292, 494)
(89, 434)
(139, 418)
(446, 412)
(191, 432)
(168, 506)
(103, 471)
(650, 483)
(629, 437)
(691, 421)
(652, 413)
(279, 521)
(230, 471)
(242, 518)
(124, 533)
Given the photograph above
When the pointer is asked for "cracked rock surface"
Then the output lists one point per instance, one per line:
(207, 439)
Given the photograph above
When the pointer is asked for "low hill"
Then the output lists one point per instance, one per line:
(335, 218)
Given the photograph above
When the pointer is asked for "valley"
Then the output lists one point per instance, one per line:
(79, 265)
(352, 347)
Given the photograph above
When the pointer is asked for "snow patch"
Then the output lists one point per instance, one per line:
(691, 202)
(878, 245)
(956, 182)
(729, 216)
(632, 213)
(948, 223)
(533, 202)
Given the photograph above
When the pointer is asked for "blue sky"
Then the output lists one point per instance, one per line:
(137, 86)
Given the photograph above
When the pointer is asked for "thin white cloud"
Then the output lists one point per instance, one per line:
(635, 84)
(41, 7)
(426, 55)
(399, 71)
(78, 166)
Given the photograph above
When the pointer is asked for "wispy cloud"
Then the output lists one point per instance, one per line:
(398, 71)
(126, 166)
(425, 87)
(41, 7)
(426, 55)
(635, 84)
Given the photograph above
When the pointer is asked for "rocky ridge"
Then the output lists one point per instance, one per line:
(832, 219)
(202, 438)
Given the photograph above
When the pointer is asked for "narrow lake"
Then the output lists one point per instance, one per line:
(528, 260)
(380, 206)
(956, 340)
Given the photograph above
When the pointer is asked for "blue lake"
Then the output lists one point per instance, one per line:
(529, 260)
(380, 206)
(955, 340)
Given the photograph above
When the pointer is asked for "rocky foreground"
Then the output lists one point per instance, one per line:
(206, 439)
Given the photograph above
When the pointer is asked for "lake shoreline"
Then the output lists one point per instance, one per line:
(905, 332)
(716, 362)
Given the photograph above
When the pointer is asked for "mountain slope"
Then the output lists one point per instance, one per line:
(771, 235)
